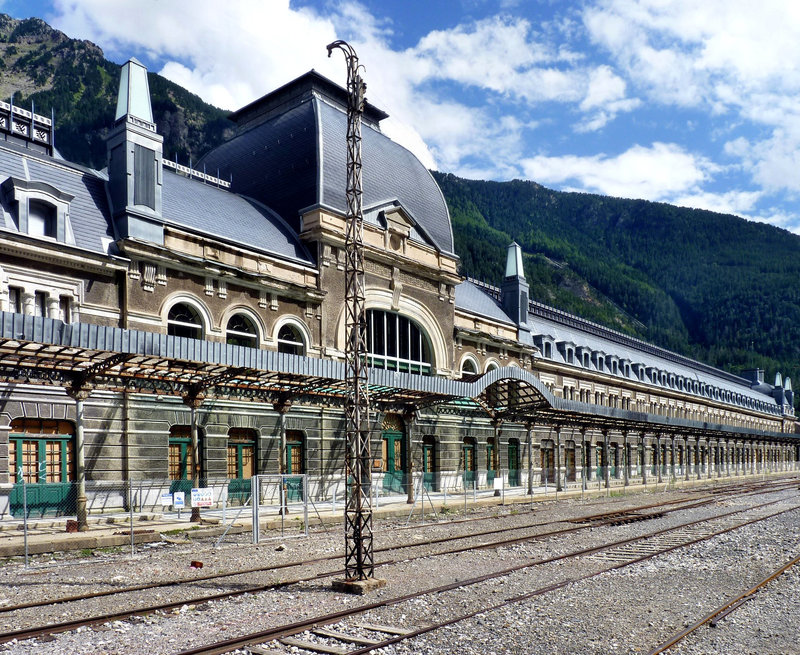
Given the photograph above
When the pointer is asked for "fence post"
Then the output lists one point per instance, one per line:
(305, 502)
(284, 509)
(130, 508)
(24, 514)
(254, 498)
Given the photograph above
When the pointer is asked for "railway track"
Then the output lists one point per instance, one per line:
(613, 518)
(729, 606)
(350, 624)
(596, 520)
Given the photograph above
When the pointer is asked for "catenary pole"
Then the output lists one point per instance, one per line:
(359, 563)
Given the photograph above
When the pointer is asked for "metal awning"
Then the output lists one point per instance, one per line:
(37, 350)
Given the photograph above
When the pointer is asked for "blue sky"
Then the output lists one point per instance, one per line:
(687, 102)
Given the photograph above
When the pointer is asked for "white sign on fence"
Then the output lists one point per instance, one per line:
(202, 497)
(178, 500)
(166, 499)
(498, 483)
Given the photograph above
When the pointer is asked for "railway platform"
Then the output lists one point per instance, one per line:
(50, 535)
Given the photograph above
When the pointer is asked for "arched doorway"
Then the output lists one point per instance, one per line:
(181, 458)
(41, 452)
(393, 453)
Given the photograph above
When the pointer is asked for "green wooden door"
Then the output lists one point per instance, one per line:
(429, 466)
(241, 467)
(394, 464)
(181, 465)
(44, 462)
(491, 463)
(295, 464)
(513, 464)
(469, 465)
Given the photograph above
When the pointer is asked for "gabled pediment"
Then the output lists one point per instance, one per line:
(397, 220)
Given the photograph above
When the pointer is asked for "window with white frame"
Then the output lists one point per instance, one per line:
(184, 320)
(396, 343)
(290, 340)
(241, 331)
(41, 219)
(468, 366)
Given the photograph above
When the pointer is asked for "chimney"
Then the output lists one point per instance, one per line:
(135, 160)
(755, 375)
(514, 290)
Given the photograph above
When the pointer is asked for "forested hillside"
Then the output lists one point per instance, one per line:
(708, 285)
(43, 67)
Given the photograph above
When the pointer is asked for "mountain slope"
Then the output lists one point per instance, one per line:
(709, 285)
(43, 66)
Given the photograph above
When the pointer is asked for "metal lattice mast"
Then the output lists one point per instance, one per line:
(359, 563)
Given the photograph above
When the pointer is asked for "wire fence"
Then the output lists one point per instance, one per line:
(285, 505)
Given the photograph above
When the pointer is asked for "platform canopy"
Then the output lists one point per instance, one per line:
(43, 351)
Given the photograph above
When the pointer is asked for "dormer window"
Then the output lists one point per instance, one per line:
(40, 209)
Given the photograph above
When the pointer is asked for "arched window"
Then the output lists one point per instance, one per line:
(241, 332)
(397, 343)
(184, 320)
(468, 366)
(290, 340)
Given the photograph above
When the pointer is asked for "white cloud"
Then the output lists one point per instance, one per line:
(245, 47)
(740, 203)
(656, 173)
(468, 98)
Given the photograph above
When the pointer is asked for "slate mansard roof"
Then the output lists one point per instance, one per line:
(187, 203)
(218, 213)
(559, 327)
(90, 225)
(291, 154)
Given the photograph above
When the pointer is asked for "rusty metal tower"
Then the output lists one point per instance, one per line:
(359, 563)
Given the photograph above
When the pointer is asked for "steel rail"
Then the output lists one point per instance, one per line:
(560, 585)
(586, 521)
(300, 626)
(611, 520)
(724, 609)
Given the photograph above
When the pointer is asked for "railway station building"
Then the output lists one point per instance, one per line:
(158, 320)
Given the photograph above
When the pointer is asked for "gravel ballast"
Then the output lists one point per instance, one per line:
(629, 610)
